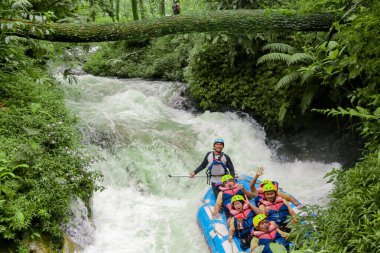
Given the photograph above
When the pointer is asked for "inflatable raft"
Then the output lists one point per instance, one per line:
(215, 230)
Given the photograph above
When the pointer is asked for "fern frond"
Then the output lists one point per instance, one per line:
(300, 57)
(288, 79)
(308, 73)
(279, 48)
(274, 57)
(21, 4)
(307, 97)
(358, 112)
(282, 112)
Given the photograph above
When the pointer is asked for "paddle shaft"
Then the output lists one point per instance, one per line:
(183, 176)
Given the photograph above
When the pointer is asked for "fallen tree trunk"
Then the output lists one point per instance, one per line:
(236, 21)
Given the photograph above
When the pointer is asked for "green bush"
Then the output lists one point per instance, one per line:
(351, 222)
(162, 58)
(40, 146)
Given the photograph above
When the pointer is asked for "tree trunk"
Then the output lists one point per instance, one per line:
(117, 10)
(142, 9)
(92, 8)
(232, 21)
(161, 7)
(111, 12)
(135, 10)
(152, 7)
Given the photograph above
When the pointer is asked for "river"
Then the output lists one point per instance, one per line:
(142, 133)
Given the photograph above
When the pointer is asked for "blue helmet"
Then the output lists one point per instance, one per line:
(219, 140)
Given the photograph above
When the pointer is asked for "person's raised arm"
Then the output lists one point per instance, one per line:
(259, 172)
(264, 209)
(200, 167)
(291, 211)
(289, 198)
(254, 208)
(248, 194)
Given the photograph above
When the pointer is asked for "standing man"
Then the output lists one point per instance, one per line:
(218, 164)
(176, 8)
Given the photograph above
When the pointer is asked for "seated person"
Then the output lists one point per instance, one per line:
(258, 193)
(266, 233)
(274, 207)
(228, 189)
(241, 222)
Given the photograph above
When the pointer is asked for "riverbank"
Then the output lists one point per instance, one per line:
(43, 164)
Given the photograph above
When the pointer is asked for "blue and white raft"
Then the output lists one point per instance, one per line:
(215, 230)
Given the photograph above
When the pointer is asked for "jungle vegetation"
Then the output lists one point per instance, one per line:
(287, 80)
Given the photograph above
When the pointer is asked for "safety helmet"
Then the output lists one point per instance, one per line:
(226, 177)
(266, 181)
(269, 187)
(236, 198)
(258, 218)
(219, 140)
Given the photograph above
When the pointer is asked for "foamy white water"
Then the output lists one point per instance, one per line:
(142, 137)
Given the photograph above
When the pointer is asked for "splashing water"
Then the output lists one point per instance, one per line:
(139, 129)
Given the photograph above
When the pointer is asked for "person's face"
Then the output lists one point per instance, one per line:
(264, 225)
(218, 146)
(229, 183)
(238, 205)
(270, 196)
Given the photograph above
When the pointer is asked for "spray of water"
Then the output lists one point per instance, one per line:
(139, 129)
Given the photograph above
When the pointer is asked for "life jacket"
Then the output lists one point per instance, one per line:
(247, 215)
(228, 193)
(266, 238)
(278, 212)
(217, 166)
(260, 193)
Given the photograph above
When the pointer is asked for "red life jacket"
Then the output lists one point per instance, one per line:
(247, 215)
(270, 234)
(228, 193)
(266, 238)
(278, 212)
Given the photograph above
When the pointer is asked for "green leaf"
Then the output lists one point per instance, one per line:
(307, 97)
(258, 249)
(35, 107)
(30, 131)
(333, 54)
(282, 112)
(288, 79)
(274, 57)
(279, 48)
(277, 248)
(215, 40)
(20, 217)
(299, 57)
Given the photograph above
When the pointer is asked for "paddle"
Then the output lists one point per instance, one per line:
(184, 176)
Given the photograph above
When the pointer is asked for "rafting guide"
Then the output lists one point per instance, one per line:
(218, 164)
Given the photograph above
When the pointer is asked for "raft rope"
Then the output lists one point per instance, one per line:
(216, 231)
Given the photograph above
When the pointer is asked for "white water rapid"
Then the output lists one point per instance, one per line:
(142, 136)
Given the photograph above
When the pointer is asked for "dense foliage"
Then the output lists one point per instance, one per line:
(351, 223)
(42, 167)
(139, 58)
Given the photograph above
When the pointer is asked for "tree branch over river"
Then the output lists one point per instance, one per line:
(232, 21)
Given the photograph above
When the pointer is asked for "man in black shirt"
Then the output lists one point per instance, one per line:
(218, 164)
